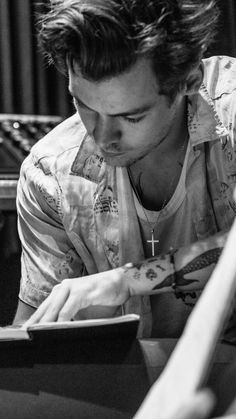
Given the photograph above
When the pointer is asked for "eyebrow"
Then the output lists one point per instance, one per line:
(135, 111)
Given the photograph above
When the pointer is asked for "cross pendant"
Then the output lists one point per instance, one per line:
(153, 241)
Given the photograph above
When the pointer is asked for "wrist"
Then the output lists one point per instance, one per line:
(151, 276)
(122, 281)
(107, 288)
(128, 272)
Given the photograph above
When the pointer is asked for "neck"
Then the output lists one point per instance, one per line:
(169, 145)
(156, 176)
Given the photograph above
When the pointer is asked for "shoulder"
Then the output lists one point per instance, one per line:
(66, 135)
(220, 75)
(60, 144)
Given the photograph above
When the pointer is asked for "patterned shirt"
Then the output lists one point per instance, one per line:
(77, 215)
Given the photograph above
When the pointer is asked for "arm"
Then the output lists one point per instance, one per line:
(188, 269)
(198, 406)
(23, 312)
(197, 344)
(48, 255)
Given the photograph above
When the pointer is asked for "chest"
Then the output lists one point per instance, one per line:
(155, 187)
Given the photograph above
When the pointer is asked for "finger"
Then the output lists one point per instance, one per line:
(57, 302)
(35, 318)
(49, 309)
(69, 309)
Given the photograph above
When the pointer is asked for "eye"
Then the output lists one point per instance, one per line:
(133, 120)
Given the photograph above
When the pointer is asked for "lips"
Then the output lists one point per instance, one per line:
(109, 154)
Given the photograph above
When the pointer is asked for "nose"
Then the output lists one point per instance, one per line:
(107, 133)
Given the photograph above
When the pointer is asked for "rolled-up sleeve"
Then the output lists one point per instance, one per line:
(48, 256)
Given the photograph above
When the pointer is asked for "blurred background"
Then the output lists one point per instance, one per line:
(30, 87)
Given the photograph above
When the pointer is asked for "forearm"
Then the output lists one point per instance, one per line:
(23, 312)
(187, 268)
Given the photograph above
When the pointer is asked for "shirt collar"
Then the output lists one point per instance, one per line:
(204, 123)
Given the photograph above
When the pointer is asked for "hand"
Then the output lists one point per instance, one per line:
(71, 295)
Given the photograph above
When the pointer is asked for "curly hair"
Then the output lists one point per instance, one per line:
(106, 37)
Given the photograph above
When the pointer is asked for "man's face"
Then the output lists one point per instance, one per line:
(125, 114)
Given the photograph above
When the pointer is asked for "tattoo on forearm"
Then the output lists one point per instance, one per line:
(203, 261)
(142, 264)
(160, 267)
(151, 274)
(168, 281)
(200, 262)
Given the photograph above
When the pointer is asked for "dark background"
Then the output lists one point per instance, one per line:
(29, 86)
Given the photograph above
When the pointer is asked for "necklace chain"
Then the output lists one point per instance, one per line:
(152, 227)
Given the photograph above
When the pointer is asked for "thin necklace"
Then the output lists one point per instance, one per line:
(154, 241)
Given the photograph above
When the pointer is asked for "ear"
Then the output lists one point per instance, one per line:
(194, 81)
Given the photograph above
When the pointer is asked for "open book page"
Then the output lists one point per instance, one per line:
(13, 333)
(85, 323)
(93, 327)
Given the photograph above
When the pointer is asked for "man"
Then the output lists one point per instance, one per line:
(125, 206)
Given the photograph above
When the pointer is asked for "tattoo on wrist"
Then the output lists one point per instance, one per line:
(176, 279)
(149, 273)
